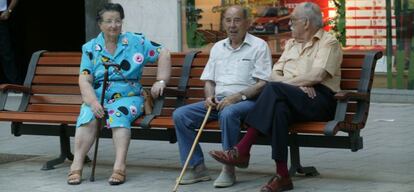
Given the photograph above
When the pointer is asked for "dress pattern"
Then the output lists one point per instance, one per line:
(123, 99)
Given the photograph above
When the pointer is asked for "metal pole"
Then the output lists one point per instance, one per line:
(389, 43)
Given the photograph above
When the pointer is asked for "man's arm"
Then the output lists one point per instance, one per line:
(277, 76)
(209, 92)
(13, 4)
(250, 92)
(5, 15)
(315, 76)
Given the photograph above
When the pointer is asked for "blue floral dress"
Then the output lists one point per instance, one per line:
(123, 99)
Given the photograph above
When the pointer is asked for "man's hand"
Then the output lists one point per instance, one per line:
(228, 101)
(97, 109)
(210, 101)
(157, 89)
(4, 15)
(310, 91)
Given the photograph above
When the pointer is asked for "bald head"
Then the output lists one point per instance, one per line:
(238, 8)
(310, 11)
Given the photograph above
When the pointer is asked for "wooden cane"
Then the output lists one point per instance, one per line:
(101, 121)
(192, 149)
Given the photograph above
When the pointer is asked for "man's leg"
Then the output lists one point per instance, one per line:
(292, 105)
(230, 119)
(186, 120)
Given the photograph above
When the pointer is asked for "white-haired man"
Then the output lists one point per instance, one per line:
(304, 81)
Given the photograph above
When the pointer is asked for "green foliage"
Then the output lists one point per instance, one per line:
(194, 38)
(338, 22)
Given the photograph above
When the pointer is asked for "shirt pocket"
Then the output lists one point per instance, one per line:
(305, 65)
(244, 69)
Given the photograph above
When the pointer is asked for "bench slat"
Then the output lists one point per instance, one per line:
(53, 89)
(57, 70)
(38, 117)
(50, 108)
(55, 80)
(59, 61)
(56, 99)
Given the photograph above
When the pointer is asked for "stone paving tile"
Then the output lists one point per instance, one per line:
(386, 162)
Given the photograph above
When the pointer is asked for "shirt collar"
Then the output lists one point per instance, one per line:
(248, 40)
(121, 44)
(318, 35)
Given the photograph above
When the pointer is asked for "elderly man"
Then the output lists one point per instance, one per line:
(305, 80)
(236, 72)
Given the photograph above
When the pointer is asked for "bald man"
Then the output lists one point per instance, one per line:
(237, 70)
(304, 82)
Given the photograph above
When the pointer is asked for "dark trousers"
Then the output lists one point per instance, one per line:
(280, 104)
(10, 72)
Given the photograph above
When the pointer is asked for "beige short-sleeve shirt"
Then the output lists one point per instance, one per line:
(324, 51)
(234, 70)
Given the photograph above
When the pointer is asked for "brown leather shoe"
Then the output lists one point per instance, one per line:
(231, 157)
(277, 184)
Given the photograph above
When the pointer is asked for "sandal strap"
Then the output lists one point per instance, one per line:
(119, 172)
(74, 177)
(75, 172)
(118, 175)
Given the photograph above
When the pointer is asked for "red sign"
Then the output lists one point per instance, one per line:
(323, 4)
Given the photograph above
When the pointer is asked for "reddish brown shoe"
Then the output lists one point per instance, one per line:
(277, 184)
(231, 157)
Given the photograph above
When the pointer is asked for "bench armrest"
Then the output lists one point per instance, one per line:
(156, 111)
(351, 96)
(332, 127)
(5, 88)
(159, 104)
(14, 87)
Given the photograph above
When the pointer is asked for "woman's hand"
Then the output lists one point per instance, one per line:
(157, 89)
(97, 109)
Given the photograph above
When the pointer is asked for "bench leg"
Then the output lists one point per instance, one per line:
(173, 137)
(296, 167)
(64, 151)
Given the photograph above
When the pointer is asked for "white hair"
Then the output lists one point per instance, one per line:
(313, 13)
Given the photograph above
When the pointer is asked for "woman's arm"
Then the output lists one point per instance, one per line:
(163, 73)
(89, 96)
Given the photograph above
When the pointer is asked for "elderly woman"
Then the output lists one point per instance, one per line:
(123, 96)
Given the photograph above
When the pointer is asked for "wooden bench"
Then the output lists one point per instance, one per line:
(51, 101)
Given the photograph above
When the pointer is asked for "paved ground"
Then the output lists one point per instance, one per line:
(385, 164)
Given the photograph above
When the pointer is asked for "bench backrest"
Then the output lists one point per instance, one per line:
(53, 78)
(356, 70)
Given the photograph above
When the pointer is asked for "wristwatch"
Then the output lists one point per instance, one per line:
(9, 10)
(243, 97)
(161, 81)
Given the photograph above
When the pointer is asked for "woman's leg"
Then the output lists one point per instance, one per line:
(84, 138)
(121, 138)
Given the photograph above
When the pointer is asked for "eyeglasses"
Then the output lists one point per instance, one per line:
(293, 21)
(109, 22)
